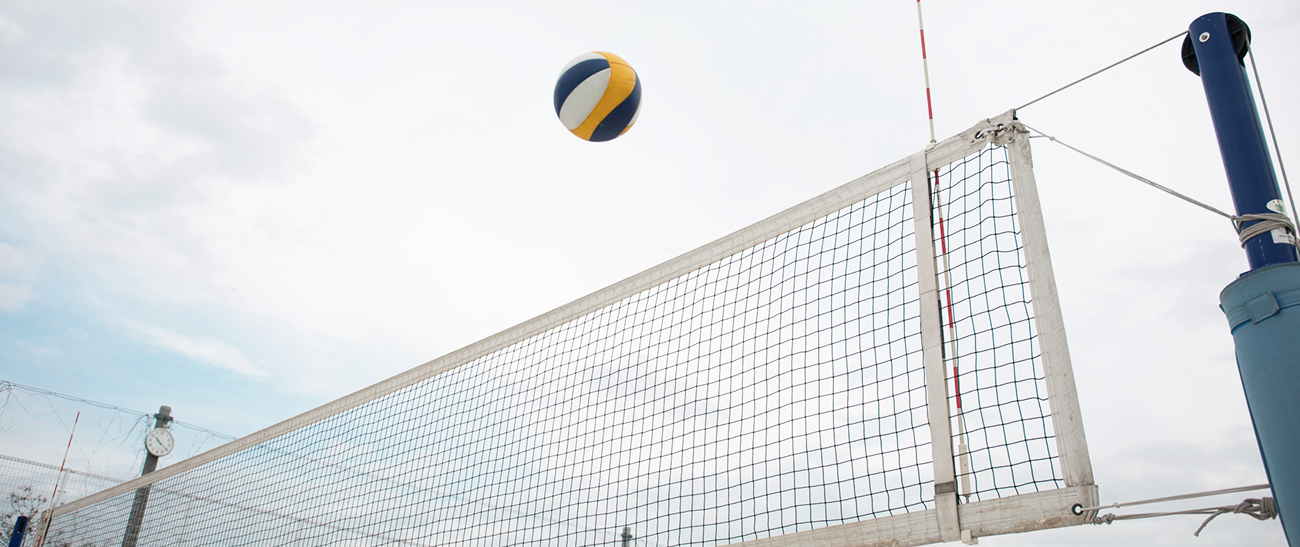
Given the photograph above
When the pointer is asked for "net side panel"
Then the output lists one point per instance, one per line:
(775, 391)
(995, 365)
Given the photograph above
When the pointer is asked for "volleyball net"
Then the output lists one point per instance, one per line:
(883, 362)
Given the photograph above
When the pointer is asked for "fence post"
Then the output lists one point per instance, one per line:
(161, 419)
(20, 527)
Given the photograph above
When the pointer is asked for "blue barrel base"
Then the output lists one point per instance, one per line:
(1263, 310)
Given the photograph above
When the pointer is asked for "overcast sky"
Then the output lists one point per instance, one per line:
(247, 209)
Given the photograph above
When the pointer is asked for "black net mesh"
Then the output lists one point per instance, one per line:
(778, 390)
(991, 341)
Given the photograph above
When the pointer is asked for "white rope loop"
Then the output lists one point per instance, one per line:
(1259, 508)
(1262, 508)
(1267, 223)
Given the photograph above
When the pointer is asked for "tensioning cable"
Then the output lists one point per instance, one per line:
(1259, 85)
(1117, 63)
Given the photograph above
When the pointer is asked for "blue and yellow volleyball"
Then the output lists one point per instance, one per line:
(598, 96)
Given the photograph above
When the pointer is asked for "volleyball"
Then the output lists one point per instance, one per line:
(598, 96)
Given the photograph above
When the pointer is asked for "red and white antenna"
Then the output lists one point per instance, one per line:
(59, 479)
(963, 450)
(925, 66)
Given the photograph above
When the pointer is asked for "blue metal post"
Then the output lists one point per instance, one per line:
(20, 528)
(1263, 305)
(1253, 183)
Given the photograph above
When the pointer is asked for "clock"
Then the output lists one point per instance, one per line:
(159, 442)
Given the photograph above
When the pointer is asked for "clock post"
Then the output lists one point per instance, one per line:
(157, 443)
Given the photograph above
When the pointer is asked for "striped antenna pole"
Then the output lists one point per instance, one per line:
(58, 479)
(950, 349)
(950, 340)
(925, 67)
(950, 345)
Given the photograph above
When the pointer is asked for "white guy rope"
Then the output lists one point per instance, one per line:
(1153, 184)
(1259, 508)
(1276, 151)
(1179, 497)
(1121, 61)
(1264, 222)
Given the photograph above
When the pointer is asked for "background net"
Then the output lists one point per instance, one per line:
(107, 448)
(778, 390)
(999, 369)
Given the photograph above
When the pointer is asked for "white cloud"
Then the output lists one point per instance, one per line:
(18, 271)
(206, 350)
(14, 297)
(39, 351)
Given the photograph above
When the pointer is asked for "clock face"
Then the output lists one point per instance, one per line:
(159, 442)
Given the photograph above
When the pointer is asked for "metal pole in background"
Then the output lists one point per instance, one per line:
(40, 538)
(1263, 305)
(161, 419)
(20, 528)
(627, 536)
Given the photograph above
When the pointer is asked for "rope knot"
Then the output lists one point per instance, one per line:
(1259, 508)
(1266, 222)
